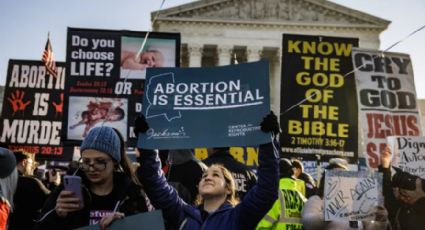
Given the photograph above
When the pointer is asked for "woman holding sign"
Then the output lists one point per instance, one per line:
(218, 208)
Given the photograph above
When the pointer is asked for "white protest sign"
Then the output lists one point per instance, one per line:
(351, 195)
(408, 154)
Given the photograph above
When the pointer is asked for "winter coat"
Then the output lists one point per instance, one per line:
(29, 198)
(286, 211)
(4, 213)
(313, 217)
(400, 215)
(245, 215)
(132, 201)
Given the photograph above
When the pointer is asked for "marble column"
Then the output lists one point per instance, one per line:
(275, 81)
(195, 55)
(224, 53)
(253, 53)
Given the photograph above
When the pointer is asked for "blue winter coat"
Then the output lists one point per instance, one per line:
(245, 215)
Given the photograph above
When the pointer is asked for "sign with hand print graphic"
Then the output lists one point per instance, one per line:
(31, 119)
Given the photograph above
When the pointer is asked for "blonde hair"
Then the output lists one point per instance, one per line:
(229, 184)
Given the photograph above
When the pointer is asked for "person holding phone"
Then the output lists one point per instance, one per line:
(109, 187)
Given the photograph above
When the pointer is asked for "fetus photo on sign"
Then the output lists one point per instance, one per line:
(90, 112)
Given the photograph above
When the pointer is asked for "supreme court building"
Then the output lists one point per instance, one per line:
(220, 32)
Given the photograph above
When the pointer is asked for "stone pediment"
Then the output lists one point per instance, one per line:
(280, 11)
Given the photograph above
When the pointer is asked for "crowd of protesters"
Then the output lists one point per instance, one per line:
(218, 193)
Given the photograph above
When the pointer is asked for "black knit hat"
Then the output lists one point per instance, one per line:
(285, 168)
(7, 162)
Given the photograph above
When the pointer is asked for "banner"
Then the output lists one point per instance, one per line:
(206, 107)
(408, 154)
(31, 119)
(318, 101)
(387, 99)
(350, 195)
(105, 77)
(245, 155)
(147, 220)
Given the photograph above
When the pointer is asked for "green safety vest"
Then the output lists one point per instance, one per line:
(286, 211)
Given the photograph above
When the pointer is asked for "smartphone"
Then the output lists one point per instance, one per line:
(73, 183)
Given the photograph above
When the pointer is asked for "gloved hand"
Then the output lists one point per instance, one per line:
(140, 125)
(270, 124)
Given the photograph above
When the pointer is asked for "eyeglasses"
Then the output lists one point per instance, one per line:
(97, 164)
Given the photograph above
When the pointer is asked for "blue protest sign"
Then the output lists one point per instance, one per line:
(206, 107)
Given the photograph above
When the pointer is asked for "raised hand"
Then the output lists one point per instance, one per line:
(59, 106)
(270, 124)
(17, 101)
(386, 157)
(140, 125)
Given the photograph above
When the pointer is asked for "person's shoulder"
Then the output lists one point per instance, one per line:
(315, 199)
(419, 205)
(31, 185)
(29, 180)
(307, 178)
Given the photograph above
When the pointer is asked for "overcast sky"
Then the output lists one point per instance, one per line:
(24, 25)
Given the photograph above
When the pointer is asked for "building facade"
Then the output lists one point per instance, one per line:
(221, 32)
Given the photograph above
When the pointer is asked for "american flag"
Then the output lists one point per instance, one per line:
(49, 60)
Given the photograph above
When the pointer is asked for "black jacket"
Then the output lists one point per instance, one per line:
(310, 184)
(28, 200)
(131, 195)
(401, 216)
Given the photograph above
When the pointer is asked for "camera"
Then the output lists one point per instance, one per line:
(404, 180)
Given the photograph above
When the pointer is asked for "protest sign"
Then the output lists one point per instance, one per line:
(350, 195)
(408, 154)
(387, 99)
(245, 155)
(147, 220)
(206, 107)
(105, 77)
(318, 101)
(31, 119)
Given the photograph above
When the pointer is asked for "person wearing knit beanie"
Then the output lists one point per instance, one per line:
(8, 181)
(109, 186)
(103, 139)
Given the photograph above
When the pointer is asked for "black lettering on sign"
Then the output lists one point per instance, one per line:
(293, 200)
(362, 188)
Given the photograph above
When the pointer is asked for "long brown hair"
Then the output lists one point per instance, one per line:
(230, 184)
(125, 163)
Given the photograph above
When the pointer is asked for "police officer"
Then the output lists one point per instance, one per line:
(286, 211)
